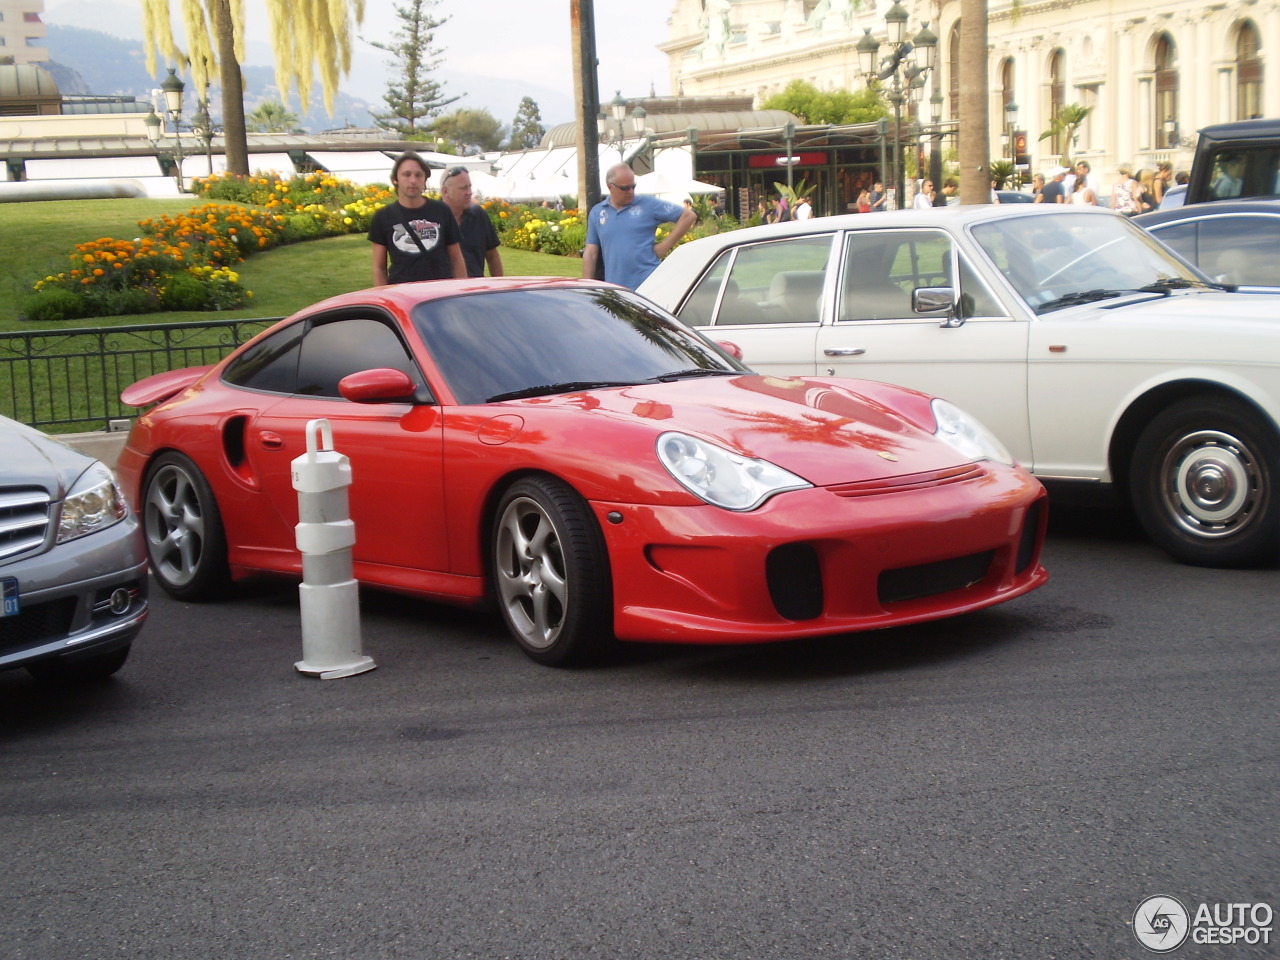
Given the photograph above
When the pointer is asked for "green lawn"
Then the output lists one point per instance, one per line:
(37, 237)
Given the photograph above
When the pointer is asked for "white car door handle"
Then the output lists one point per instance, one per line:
(844, 351)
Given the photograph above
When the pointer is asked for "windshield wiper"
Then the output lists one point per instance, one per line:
(1168, 284)
(1083, 296)
(569, 386)
(694, 372)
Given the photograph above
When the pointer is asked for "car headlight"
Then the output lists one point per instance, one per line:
(721, 478)
(94, 503)
(966, 434)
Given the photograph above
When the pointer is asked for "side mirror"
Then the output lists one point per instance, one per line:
(379, 385)
(933, 299)
(731, 348)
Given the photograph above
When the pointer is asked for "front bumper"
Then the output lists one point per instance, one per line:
(66, 597)
(815, 562)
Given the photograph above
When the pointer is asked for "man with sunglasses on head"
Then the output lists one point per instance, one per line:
(418, 236)
(479, 238)
(620, 231)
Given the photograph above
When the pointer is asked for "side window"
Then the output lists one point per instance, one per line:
(975, 297)
(332, 350)
(1248, 171)
(271, 364)
(700, 309)
(883, 267)
(1181, 237)
(780, 281)
(1241, 249)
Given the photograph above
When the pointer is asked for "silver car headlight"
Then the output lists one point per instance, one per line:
(966, 434)
(721, 478)
(94, 503)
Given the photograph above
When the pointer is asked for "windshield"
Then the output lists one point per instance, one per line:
(519, 343)
(1058, 260)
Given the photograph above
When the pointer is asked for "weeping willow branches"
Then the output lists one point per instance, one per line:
(306, 36)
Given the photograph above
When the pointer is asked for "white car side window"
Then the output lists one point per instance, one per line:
(780, 281)
(883, 267)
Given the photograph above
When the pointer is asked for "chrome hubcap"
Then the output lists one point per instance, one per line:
(530, 572)
(1213, 486)
(174, 525)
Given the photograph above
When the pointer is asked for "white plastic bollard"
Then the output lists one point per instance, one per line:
(329, 595)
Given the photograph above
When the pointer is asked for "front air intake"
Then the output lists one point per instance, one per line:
(795, 581)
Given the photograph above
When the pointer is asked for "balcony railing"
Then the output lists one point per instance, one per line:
(70, 380)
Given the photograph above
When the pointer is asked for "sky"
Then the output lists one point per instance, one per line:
(494, 51)
(528, 43)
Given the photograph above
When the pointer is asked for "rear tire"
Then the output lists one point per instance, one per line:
(186, 543)
(1204, 483)
(551, 573)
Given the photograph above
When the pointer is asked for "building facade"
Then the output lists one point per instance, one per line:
(1151, 76)
(22, 32)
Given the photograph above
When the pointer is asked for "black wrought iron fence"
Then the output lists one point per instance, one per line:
(68, 380)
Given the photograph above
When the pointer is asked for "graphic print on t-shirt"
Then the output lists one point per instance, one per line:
(428, 232)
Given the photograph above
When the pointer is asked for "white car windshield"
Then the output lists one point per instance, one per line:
(1057, 261)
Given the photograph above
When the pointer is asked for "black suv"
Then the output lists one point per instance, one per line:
(1235, 160)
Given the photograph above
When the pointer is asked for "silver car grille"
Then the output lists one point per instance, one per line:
(24, 520)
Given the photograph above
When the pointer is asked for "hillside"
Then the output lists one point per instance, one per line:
(109, 65)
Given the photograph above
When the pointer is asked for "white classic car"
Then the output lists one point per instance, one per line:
(1091, 350)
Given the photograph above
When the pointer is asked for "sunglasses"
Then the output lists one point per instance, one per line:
(451, 173)
(619, 186)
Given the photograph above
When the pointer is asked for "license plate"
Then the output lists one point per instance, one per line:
(9, 590)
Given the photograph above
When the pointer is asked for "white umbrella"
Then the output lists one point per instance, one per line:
(523, 189)
(666, 185)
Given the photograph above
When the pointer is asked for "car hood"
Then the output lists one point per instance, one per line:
(827, 431)
(1199, 308)
(31, 459)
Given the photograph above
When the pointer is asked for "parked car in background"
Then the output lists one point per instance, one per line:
(73, 571)
(587, 462)
(1015, 196)
(1233, 241)
(1235, 161)
(1175, 196)
(1092, 351)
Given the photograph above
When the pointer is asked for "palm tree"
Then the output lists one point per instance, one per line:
(975, 122)
(304, 34)
(271, 116)
(1065, 124)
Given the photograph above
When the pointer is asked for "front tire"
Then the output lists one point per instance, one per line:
(1204, 483)
(186, 543)
(551, 572)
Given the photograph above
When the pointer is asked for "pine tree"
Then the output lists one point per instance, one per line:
(526, 128)
(413, 97)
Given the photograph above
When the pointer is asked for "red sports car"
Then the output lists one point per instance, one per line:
(572, 452)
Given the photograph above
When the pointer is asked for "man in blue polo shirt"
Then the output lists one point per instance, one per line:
(620, 230)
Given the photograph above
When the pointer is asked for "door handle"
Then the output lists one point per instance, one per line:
(844, 351)
(270, 440)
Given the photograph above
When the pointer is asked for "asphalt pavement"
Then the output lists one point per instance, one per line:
(1011, 784)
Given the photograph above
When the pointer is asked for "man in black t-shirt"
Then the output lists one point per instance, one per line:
(1054, 191)
(478, 237)
(418, 236)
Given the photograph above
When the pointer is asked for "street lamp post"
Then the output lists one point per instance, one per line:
(611, 127)
(789, 134)
(935, 153)
(202, 126)
(1011, 121)
(906, 76)
(172, 88)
